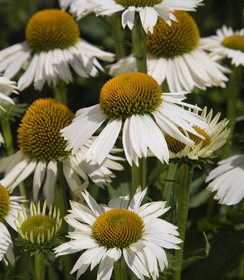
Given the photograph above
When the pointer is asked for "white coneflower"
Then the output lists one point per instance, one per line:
(212, 139)
(175, 55)
(226, 43)
(53, 46)
(136, 102)
(122, 229)
(37, 226)
(42, 147)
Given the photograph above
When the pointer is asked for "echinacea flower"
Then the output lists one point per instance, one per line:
(52, 46)
(214, 137)
(149, 10)
(6, 88)
(9, 206)
(42, 149)
(175, 55)
(226, 43)
(39, 226)
(122, 229)
(136, 102)
(227, 180)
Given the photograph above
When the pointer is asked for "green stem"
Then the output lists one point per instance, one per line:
(143, 172)
(60, 92)
(183, 193)
(241, 267)
(133, 276)
(139, 45)
(118, 35)
(233, 89)
(169, 191)
(139, 175)
(61, 204)
(120, 270)
(60, 192)
(6, 129)
(39, 266)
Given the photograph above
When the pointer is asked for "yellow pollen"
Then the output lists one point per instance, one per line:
(38, 225)
(176, 146)
(170, 41)
(235, 42)
(39, 132)
(138, 3)
(4, 202)
(129, 94)
(51, 29)
(118, 228)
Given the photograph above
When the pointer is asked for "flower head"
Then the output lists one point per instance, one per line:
(9, 206)
(121, 229)
(174, 55)
(149, 10)
(39, 130)
(130, 94)
(227, 180)
(212, 139)
(52, 46)
(134, 100)
(38, 227)
(50, 30)
(42, 147)
(226, 43)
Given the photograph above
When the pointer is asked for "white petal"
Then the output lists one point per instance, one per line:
(130, 154)
(93, 255)
(39, 78)
(119, 202)
(105, 141)
(128, 18)
(51, 176)
(15, 66)
(73, 179)
(29, 167)
(92, 203)
(135, 264)
(86, 122)
(153, 137)
(39, 174)
(27, 78)
(83, 213)
(137, 199)
(149, 18)
(107, 264)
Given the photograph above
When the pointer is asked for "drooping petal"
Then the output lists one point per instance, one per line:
(105, 141)
(39, 175)
(51, 176)
(87, 121)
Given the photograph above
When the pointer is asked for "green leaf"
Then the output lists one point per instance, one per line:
(196, 247)
(158, 169)
(199, 199)
(226, 248)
